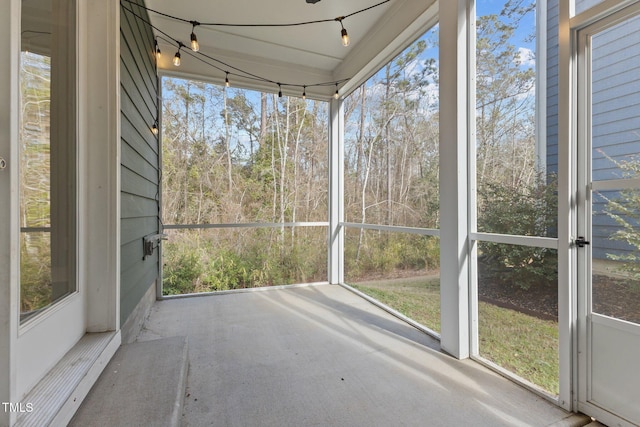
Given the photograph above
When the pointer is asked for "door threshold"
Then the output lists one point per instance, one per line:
(55, 399)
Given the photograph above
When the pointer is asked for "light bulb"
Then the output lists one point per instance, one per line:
(304, 92)
(158, 54)
(154, 129)
(345, 37)
(176, 59)
(337, 94)
(226, 81)
(195, 46)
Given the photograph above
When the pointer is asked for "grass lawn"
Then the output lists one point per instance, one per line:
(522, 344)
(416, 298)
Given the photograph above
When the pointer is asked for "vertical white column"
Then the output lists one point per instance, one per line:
(472, 191)
(99, 116)
(9, 224)
(567, 288)
(336, 191)
(454, 194)
(160, 279)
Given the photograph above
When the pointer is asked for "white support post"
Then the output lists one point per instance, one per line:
(474, 345)
(160, 279)
(567, 289)
(454, 194)
(9, 224)
(99, 117)
(336, 192)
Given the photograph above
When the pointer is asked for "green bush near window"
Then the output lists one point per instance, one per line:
(532, 212)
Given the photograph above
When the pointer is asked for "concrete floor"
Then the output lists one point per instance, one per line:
(322, 356)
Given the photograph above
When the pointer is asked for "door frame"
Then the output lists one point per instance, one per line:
(98, 127)
(9, 267)
(582, 27)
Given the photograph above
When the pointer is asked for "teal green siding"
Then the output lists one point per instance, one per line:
(139, 157)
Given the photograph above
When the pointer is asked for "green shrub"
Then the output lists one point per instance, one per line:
(385, 253)
(225, 270)
(206, 262)
(525, 212)
(625, 211)
(181, 272)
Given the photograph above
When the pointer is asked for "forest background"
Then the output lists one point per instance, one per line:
(233, 156)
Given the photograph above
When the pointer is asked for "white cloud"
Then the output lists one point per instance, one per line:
(527, 57)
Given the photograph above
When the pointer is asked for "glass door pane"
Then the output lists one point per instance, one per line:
(615, 282)
(615, 170)
(47, 154)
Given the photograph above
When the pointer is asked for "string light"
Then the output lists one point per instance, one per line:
(154, 128)
(304, 92)
(208, 60)
(337, 94)
(343, 32)
(204, 58)
(194, 40)
(195, 46)
(290, 24)
(157, 49)
(176, 58)
(345, 37)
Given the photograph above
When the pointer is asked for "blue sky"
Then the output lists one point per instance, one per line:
(527, 25)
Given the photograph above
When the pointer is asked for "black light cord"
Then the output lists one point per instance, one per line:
(204, 58)
(292, 24)
(207, 58)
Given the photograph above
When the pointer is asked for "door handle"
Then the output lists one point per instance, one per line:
(581, 242)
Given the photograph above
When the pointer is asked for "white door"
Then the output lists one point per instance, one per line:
(607, 242)
(51, 303)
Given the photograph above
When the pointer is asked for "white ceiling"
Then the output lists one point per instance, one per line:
(300, 55)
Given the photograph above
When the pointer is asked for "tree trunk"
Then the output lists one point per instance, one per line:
(263, 118)
(227, 142)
